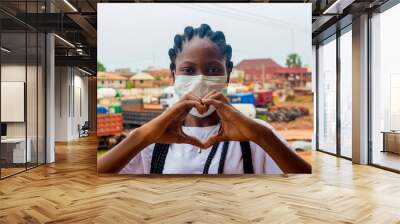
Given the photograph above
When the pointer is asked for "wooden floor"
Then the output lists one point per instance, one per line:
(70, 191)
(10, 171)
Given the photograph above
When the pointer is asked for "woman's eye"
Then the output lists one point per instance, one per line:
(188, 70)
(214, 70)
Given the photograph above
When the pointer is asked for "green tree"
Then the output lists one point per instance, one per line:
(293, 60)
(100, 67)
(130, 84)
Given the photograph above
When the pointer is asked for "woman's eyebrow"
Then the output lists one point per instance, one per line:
(215, 62)
(188, 62)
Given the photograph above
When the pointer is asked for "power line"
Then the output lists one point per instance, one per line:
(244, 18)
(240, 17)
(258, 16)
(219, 14)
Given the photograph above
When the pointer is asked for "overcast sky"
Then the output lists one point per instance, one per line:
(137, 36)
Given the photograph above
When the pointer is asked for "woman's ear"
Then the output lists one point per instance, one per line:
(173, 75)
(172, 69)
(229, 68)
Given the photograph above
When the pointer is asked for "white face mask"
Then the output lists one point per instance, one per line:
(199, 86)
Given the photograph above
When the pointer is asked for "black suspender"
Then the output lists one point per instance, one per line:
(210, 158)
(223, 157)
(247, 160)
(161, 150)
(158, 158)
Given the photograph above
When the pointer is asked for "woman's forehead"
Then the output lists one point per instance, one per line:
(199, 49)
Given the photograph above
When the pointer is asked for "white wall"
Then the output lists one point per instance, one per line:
(33, 126)
(71, 94)
(12, 73)
(61, 103)
(80, 109)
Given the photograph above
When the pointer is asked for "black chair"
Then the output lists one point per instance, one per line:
(84, 130)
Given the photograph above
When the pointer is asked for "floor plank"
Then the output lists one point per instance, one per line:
(70, 191)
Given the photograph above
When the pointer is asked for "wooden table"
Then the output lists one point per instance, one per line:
(391, 141)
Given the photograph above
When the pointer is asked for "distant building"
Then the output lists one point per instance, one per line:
(266, 70)
(124, 72)
(143, 80)
(162, 76)
(111, 80)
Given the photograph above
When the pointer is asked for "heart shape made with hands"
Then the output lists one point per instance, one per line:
(234, 125)
(167, 128)
(201, 110)
(214, 138)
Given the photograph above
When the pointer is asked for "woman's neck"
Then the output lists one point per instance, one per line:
(192, 121)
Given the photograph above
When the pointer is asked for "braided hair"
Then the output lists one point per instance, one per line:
(204, 31)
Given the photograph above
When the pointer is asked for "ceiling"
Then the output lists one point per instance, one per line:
(76, 21)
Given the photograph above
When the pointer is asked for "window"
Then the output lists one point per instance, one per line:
(327, 96)
(385, 89)
(346, 94)
(22, 76)
(13, 82)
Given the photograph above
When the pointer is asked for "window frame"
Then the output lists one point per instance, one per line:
(333, 37)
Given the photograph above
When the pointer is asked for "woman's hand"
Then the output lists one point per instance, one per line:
(237, 127)
(167, 127)
(234, 125)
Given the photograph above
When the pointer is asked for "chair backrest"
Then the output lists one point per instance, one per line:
(86, 125)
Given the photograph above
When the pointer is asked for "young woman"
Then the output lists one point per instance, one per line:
(201, 133)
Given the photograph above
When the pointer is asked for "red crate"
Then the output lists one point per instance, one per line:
(109, 124)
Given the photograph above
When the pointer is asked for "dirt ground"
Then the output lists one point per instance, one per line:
(302, 127)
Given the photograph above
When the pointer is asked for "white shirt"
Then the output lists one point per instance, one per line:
(186, 159)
